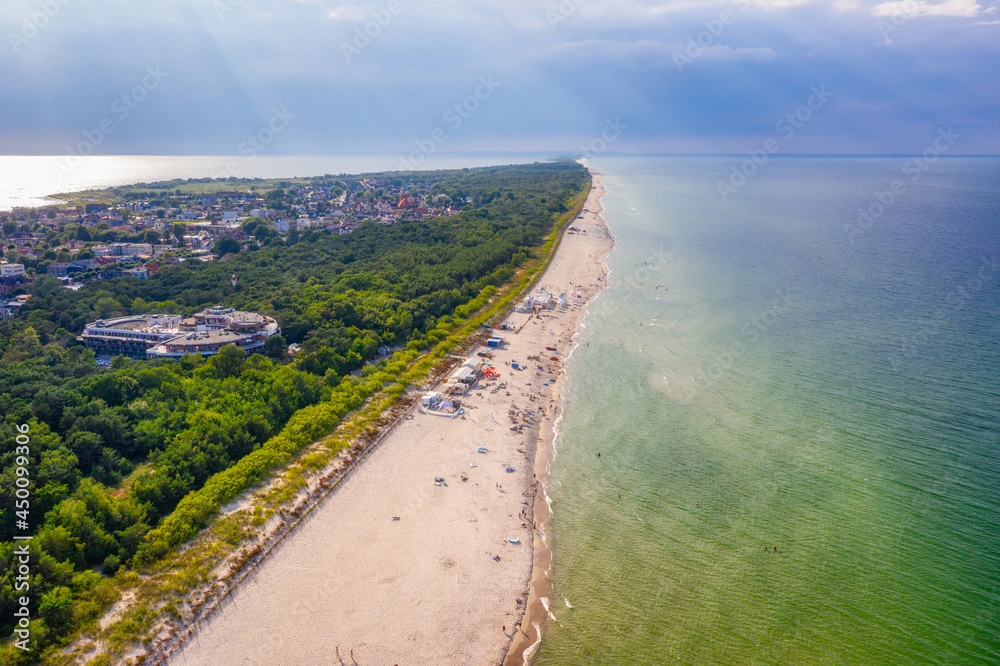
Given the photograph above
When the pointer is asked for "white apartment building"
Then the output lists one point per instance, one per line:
(11, 270)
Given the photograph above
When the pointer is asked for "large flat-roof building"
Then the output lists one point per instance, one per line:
(212, 329)
(170, 336)
(130, 336)
(123, 250)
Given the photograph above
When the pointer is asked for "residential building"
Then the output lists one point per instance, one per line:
(63, 269)
(122, 249)
(9, 284)
(23, 239)
(223, 230)
(201, 241)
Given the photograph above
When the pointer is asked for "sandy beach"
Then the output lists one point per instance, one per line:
(394, 569)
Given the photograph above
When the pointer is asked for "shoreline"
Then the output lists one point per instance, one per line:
(524, 647)
(397, 569)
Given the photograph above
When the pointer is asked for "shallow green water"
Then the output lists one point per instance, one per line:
(755, 377)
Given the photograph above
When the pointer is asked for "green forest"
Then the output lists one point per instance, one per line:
(115, 450)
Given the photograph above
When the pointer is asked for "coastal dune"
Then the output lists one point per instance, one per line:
(394, 569)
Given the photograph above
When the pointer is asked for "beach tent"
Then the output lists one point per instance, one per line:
(463, 374)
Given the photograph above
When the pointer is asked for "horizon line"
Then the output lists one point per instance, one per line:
(551, 153)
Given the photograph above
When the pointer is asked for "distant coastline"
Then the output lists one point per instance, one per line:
(35, 181)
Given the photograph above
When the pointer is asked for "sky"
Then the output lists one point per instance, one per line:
(288, 77)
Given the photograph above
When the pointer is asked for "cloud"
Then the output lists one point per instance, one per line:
(559, 81)
(725, 53)
(776, 4)
(958, 8)
(639, 53)
(350, 13)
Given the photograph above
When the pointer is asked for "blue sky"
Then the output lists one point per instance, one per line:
(201, 77)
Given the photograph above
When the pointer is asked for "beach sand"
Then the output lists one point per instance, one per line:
(442, 584)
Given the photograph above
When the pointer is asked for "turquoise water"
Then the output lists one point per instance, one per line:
(756, 375)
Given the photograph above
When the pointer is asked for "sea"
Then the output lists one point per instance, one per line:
(781, 439)
(781, 443)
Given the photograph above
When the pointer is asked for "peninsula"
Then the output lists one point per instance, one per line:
(395, 568)
(132, 459)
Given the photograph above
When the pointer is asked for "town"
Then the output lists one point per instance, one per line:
(130, 232)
